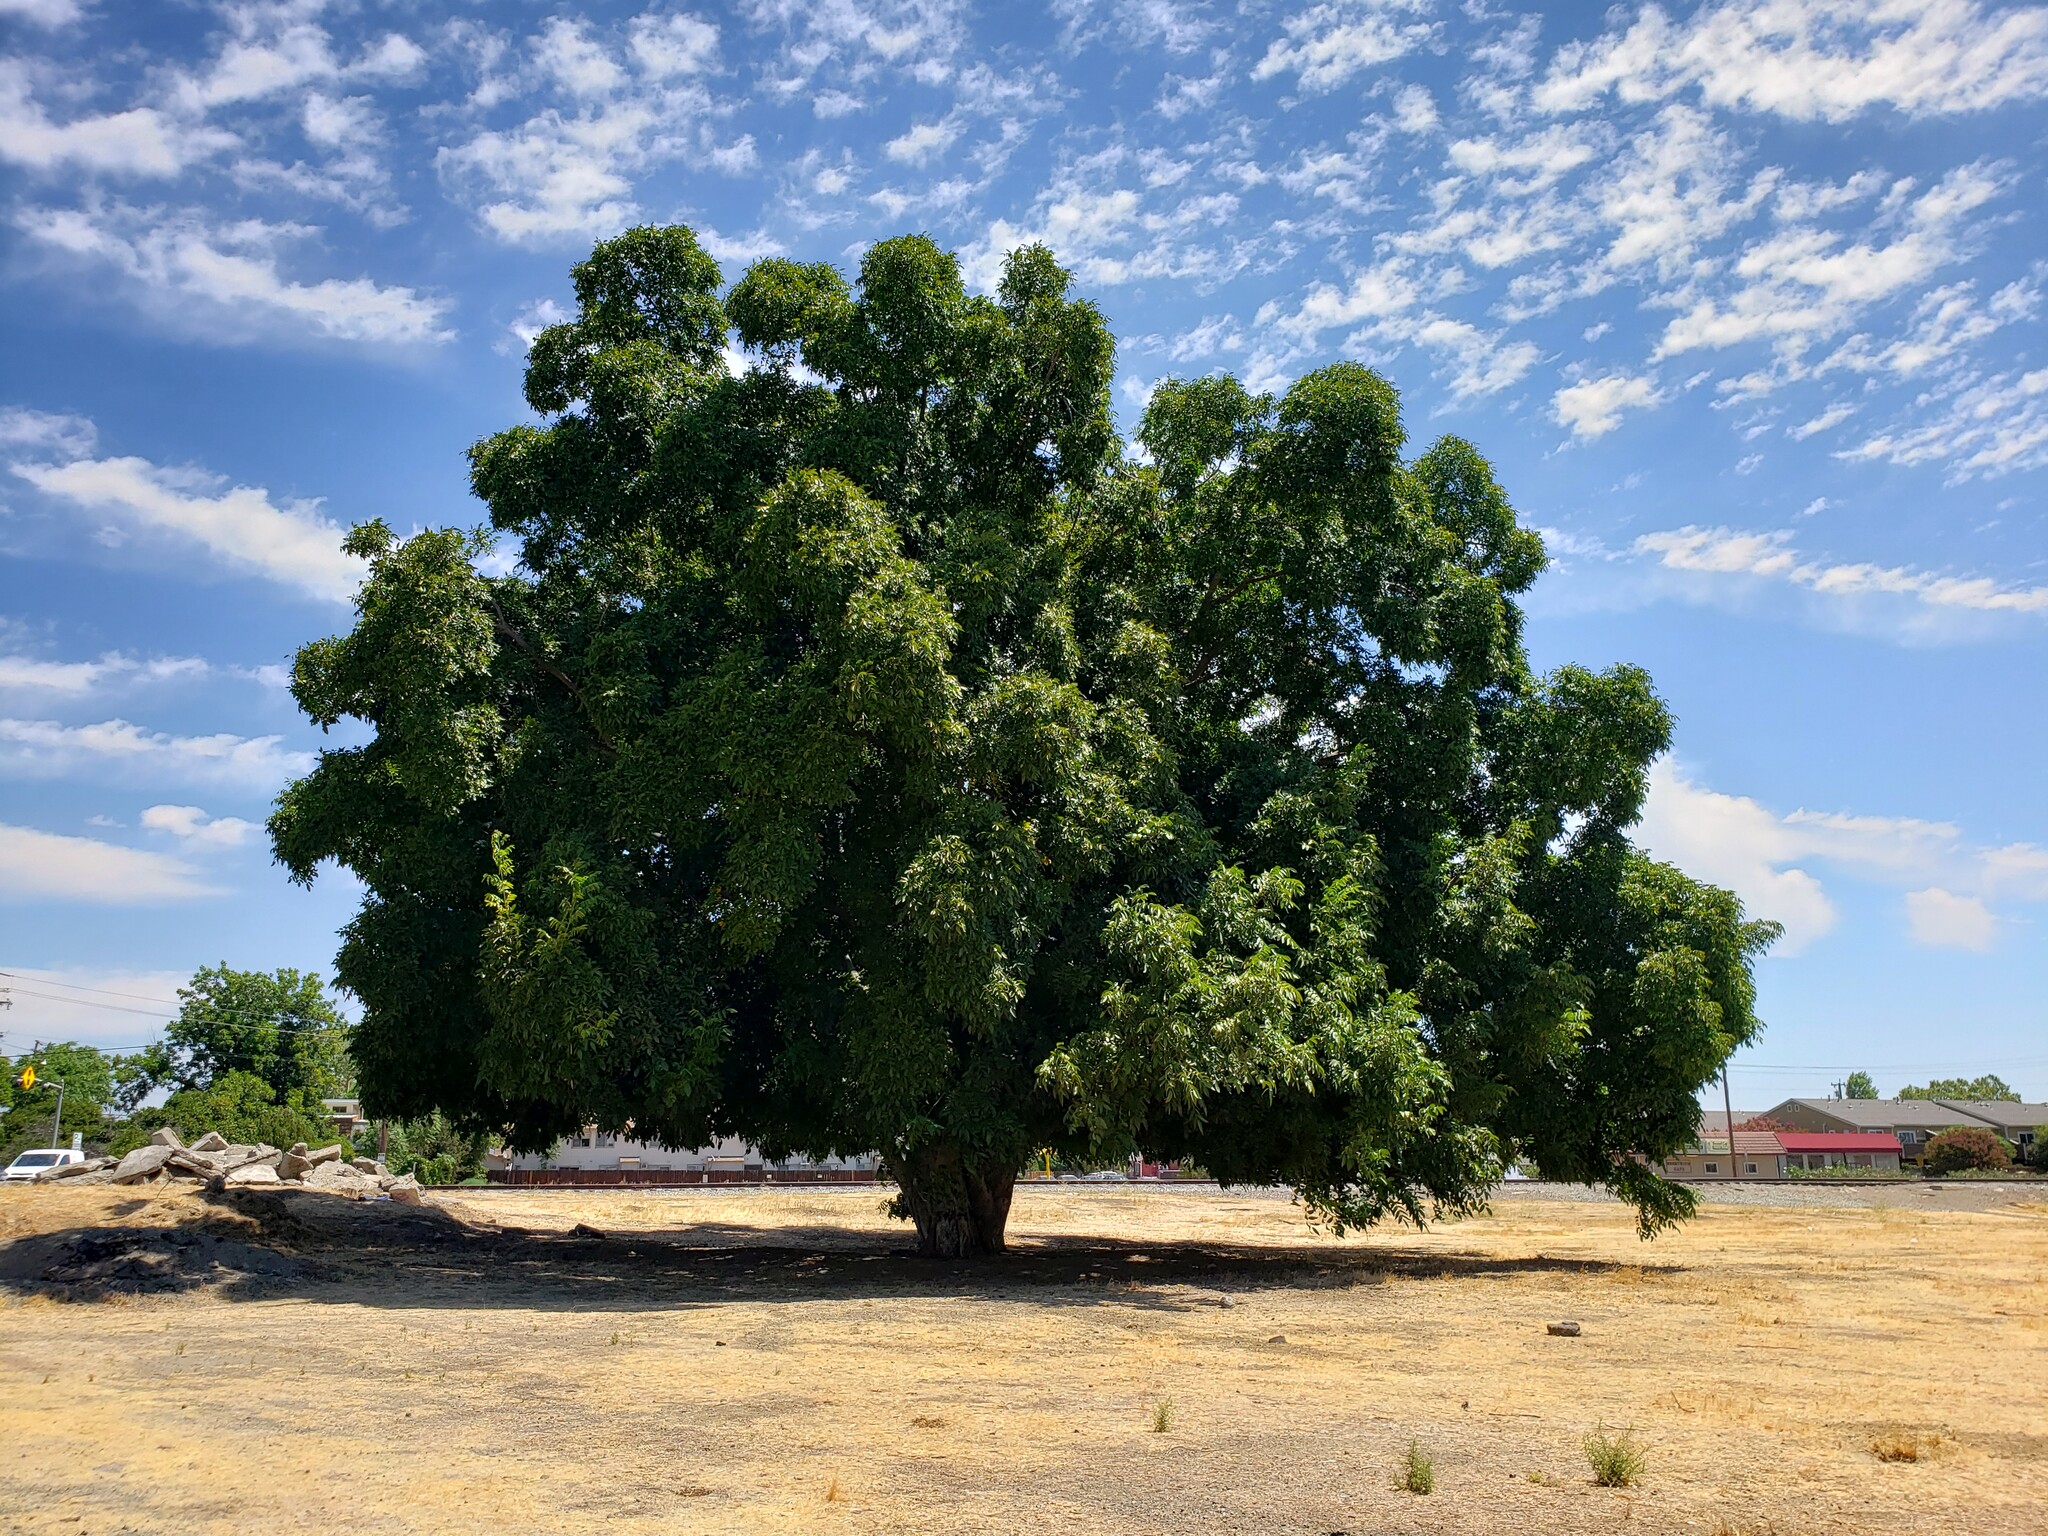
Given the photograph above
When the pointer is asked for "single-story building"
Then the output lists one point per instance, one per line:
(1914, 1122)
(1815, 1150)
(1749, 1155)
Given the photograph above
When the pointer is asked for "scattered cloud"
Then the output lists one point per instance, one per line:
(75, 679)
(239, 526)
(44, 13)
(139, 142)
(41, 432)
(1768, 859)
(1593, 407)
(178, 260)
(1940, 919)
(1813, 60)
(923, 142)
(1324, 45)
(43, 748)
(192, 827)
(1773, 557)
(46, 866)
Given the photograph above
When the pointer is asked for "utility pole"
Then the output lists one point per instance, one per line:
(57, 1120)
(1728, 1111)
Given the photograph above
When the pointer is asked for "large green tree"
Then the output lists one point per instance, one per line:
(867, 752)
(280, 1027)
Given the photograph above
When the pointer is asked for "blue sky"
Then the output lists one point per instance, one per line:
(1744, 301)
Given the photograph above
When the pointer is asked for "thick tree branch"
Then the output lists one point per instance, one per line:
(506, 630)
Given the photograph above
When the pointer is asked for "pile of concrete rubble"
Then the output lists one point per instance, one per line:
(220, 1164)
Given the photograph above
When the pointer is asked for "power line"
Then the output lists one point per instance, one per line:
(72, 986)
(211, 1014)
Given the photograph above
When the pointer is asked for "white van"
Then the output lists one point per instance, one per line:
(40, 1160)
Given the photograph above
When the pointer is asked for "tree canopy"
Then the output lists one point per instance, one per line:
(868, 752)
(280, 1028)
(1860, 1085)
(1990, 1088)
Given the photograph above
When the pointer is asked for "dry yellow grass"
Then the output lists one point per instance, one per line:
(772, 1362)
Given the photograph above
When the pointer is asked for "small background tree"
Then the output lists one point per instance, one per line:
(1963, 1148)
(1861, 1086)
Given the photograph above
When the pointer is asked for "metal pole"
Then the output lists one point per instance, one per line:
(1728, 1110)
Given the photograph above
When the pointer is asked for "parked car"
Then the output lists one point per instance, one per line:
(39, 1160)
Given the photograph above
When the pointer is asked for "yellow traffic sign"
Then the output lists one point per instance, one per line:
(27, 1078)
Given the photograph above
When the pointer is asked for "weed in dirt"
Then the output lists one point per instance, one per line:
(928, 1421)
(1616, 1459)
(693, 1491)
(835, 1494)
(1418, 1474)
(1162, 1416)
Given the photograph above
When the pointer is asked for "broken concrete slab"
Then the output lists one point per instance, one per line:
(212, 1141)
(167, 1136)
(405, 1189)
(371, 1166)
(249, 1174)
(324, 1154)
(294, 1165)
(140, 1164)
(75, 1170)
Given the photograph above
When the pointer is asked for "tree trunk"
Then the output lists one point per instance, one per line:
(959, 1208)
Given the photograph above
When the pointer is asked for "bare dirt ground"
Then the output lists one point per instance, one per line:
(773, 1361)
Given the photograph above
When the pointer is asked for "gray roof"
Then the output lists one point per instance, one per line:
(2000, 1111)
(1884, 1114)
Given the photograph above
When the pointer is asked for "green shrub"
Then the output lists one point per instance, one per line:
(1616, 1459)
(1964, 1147)
(1418, 1473)
(1162, 1416)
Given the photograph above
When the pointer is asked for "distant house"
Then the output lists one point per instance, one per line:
(594, 1151)
(1714, 1155)
(2020, 1124)
(1913, 1121)
(1816, 1150)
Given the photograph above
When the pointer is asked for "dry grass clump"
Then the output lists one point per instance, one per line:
(1162, 1416)
(1616, 1459)
(1902, 1446)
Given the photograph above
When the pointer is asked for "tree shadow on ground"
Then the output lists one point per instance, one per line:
(250, 1244)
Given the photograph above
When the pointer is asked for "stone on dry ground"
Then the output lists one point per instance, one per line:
(140, 1164)
(165, 1136)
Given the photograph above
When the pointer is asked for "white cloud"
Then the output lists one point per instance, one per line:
(42, 748)
(1984, 426)
(1833, 416)
(141, 141)
(1803, 282)
(1593, 407)
(1814, 60)
(1940, 919)
(567, 170)
(531, 320)
(922, 142)
(1324, 45)
(241, 526)
(44, 13)
(44, 866)
(1772, 557)
(179, 260)
(194, 828)
(273, 51)
(919, 37)
(1762, 856)
(75, 679)
(1732, 841)
(47, 432)
(738, 249)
